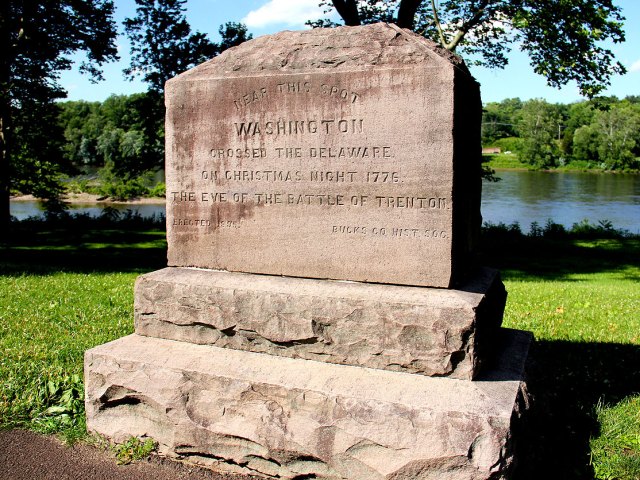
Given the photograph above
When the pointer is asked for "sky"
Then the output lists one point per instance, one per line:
(264, 17)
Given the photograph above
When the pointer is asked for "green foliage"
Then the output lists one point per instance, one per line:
(82, 124)
(162, 44)
(577, 115)
(134, 449)
(124, 187)
(37, 165)
(612, 138)
(564, 39)
(38, 39)
(538, 126)
(232, 34)
(508, 144)
(81, 185)
(499, 120)
(615, 452)
(580, 230)
(603, 133)
(125, 131)
(63, 398)
(159, 190)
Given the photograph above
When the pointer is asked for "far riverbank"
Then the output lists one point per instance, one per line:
(89, 198)
(510, 162)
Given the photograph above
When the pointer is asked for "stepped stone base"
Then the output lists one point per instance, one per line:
(428, 331)
(291, 418)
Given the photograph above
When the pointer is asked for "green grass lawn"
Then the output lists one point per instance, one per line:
(504, 160)
(511, 161)
(581, 299)
(63, 291)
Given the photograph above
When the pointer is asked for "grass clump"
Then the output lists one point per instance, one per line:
(615, 452)
(47, 321)
(134, 449)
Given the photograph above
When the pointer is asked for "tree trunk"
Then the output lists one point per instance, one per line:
(348, 10)
(407, 13)
(5, 181)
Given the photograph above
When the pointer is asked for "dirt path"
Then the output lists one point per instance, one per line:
(29, 456)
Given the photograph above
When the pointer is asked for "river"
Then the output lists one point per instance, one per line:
(520, 196)
(565, 198)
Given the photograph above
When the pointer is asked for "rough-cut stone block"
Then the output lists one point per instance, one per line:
(292, 418)
(350, 153)
(429, 331)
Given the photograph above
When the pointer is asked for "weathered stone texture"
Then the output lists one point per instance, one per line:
(349, 153)
(322, 316)
(285, 418)
(412, 329)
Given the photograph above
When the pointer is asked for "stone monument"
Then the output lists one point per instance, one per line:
(321, 315)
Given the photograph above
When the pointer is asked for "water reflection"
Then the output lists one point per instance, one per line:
(25, 209)
(523, 197)
(566, 198)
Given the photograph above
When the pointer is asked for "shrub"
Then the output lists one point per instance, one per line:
(508, 144)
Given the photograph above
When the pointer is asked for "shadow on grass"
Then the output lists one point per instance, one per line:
(47, 250)
(566, 381)
(548, 259)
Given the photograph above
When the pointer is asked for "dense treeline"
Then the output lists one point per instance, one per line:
(122, 138)
(44, 143)
(602, 133)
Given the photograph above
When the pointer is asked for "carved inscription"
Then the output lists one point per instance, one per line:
(351, 152)
(296, 87)
(337, 176)
(286, 198)
(397, 232)
(272, 157)
(299, 127)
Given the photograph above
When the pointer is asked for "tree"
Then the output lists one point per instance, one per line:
(578, 114)
(132, 140)
(162, 44)
(82, 125)
(562, 38)
(499, 120)
(37, 162)
(232, 34)
(538, 128)
(611, 138)
(37, 39)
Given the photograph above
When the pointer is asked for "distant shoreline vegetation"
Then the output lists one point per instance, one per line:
(122, 139)
(113, 218)
(511, 161)
(602, 134)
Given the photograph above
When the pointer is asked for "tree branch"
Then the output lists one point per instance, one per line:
(407, 13)
(436, 20)
(348, 10)
(466, 26)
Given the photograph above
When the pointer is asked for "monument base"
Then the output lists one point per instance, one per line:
(427, 331)
(292, 418)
